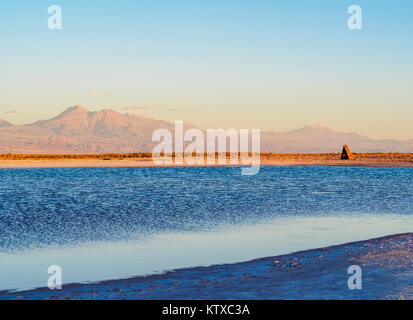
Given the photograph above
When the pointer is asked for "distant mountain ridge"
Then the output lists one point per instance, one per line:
(318, 139)
(4, 123)
(77, 130)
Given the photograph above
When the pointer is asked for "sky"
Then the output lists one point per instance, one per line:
(272, 65)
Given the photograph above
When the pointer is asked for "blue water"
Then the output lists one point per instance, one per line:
(149, 209)
(68, 206)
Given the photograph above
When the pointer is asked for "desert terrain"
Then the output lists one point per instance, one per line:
(146, 160)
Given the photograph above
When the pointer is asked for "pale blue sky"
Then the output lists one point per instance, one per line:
(247, 64)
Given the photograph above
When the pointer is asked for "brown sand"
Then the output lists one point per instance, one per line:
(327, 159)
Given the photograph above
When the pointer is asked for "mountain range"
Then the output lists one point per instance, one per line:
(4, 123)
(77, 130)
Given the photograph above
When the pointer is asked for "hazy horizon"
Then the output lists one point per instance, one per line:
(77, 130)
(60, 111)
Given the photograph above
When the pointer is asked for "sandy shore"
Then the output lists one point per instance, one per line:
(387, 273)
(267, 159)
(10, 164)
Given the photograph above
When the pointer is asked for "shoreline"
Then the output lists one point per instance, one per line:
(320, 273)
(38, 164)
